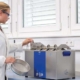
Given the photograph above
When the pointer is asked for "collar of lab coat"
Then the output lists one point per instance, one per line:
(2, 34)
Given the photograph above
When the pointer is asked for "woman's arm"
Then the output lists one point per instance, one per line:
(18, 47)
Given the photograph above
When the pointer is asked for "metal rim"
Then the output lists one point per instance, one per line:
(17, 71)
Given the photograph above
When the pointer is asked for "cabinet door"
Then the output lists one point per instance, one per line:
(75, 17)
(40, 64)
(7, 26)
(38, 18)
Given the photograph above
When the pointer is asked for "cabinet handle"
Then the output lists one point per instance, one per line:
(68, 21)
(14, 52)
(11, 27)
(16, 26)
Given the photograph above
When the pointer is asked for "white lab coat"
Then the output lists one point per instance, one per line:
(5, 49)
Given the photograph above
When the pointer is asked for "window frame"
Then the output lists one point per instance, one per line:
(74, 26)
(33, 29)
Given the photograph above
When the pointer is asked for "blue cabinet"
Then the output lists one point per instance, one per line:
(40, 64)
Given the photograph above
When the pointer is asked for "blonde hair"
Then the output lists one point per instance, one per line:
(3, 6)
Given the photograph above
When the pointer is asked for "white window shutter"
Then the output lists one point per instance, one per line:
(78, 11)
(6, 1)
(39, 12)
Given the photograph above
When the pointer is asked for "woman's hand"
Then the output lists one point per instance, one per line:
(9, 60)
(26, 41)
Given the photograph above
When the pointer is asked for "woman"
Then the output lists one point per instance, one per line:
(5, 48)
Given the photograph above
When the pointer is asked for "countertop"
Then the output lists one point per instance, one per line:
(17, 78)
(13, 76)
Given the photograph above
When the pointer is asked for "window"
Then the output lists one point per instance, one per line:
(7, 26)
(39, 15)
(6, 1)
(78, 11)
(75, 14)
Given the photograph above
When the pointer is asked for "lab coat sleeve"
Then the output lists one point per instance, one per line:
(2, 60)
(15, 47)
